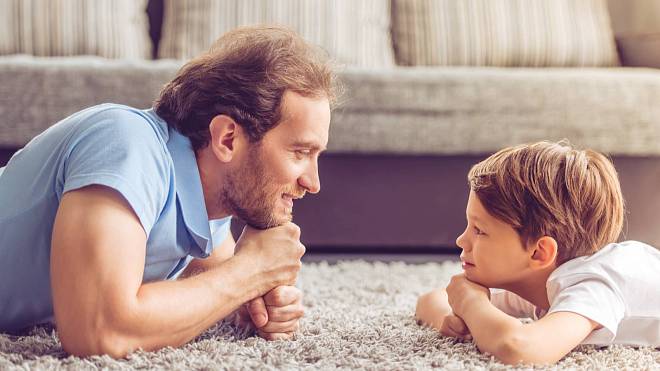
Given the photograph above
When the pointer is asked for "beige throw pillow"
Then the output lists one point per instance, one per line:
(107, 28)
(353, 32)
(507, 33)
(636, 26)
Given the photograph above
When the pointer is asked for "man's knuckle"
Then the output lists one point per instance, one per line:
(294, 229)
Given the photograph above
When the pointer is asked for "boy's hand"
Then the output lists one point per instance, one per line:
(463, 293)
(455, 327)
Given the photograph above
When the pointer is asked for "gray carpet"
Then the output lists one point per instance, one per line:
(359, 316)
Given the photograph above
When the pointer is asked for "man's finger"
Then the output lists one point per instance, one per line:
(283, 295)
(275, 335)
(258, 313)
(288, 326)
(285, 313)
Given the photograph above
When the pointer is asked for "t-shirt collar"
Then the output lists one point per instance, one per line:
(189, 192)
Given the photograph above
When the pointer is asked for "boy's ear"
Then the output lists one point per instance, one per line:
(225, 133)
(544, 252)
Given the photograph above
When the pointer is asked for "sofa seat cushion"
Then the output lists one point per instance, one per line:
(463, 110)
(431, 110)
(36, 92)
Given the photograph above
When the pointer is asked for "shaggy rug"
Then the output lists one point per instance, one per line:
(359, 316)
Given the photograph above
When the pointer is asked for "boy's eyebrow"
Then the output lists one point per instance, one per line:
(474, 218)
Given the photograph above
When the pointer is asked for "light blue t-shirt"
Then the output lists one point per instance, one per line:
(129, 150)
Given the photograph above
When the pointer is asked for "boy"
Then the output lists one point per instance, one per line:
(542, 220)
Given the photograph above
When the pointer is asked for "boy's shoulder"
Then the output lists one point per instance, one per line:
(613, 259)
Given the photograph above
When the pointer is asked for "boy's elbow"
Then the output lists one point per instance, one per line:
(514, 349)
(509, 354)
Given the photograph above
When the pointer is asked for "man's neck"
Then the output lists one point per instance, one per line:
(209, 179)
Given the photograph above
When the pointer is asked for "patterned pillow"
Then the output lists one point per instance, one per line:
(353, 32)
(506, 33)
(107, 28)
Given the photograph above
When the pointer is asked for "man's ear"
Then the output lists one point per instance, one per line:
(544, 252)
(225, 133)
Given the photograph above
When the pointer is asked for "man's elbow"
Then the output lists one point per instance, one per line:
(99, 340)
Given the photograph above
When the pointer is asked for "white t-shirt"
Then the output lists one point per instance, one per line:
(618, 287)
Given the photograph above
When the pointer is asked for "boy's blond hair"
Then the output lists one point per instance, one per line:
(552, 189)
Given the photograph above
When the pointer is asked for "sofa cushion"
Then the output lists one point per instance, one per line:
(353, 32)
(108, 28)
(433, 110)
(39, 91)
(637, 30)
(464, 110)
(531, 33)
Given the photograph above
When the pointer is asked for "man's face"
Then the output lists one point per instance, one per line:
(282, 167)
(493, 253)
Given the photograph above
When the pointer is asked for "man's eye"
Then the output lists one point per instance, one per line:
(300, 153)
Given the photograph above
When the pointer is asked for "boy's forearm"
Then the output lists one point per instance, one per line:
(432, 308)
(493, 331)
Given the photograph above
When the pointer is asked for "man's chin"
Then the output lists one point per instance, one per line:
(273, 221)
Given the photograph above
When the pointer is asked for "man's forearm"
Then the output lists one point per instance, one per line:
(171, 313)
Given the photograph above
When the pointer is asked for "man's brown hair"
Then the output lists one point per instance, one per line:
(244, 75)
(552, 189)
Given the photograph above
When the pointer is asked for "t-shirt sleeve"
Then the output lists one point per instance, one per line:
(120, 150)
(511, 304)
(593, 298)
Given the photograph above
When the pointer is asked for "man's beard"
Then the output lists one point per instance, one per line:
(251, 194)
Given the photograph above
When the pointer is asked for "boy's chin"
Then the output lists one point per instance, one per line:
(479, 280)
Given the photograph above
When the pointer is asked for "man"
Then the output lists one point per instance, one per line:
(108, 219)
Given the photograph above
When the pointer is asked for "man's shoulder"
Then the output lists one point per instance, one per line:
(123, 121)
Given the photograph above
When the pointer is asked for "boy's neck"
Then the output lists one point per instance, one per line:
(533, 287)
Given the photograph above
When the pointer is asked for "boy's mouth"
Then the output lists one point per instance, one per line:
(466, 264)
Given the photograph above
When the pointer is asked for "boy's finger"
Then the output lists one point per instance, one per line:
(457, 325)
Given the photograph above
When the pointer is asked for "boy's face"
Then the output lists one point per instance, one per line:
(493, 253)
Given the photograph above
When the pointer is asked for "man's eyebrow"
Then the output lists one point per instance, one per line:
(307, 144)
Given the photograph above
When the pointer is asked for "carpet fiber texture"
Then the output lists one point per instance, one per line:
(359, 316)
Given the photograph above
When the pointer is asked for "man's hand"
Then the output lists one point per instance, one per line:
(277, 313)
(463, 293)
(274, 252)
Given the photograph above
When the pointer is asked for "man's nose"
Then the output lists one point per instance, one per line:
(310, 179)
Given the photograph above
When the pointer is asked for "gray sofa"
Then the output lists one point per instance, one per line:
(402, 140)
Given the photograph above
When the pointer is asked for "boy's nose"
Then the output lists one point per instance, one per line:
(460, 241)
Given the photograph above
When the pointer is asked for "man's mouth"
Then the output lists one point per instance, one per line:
(288, 199)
